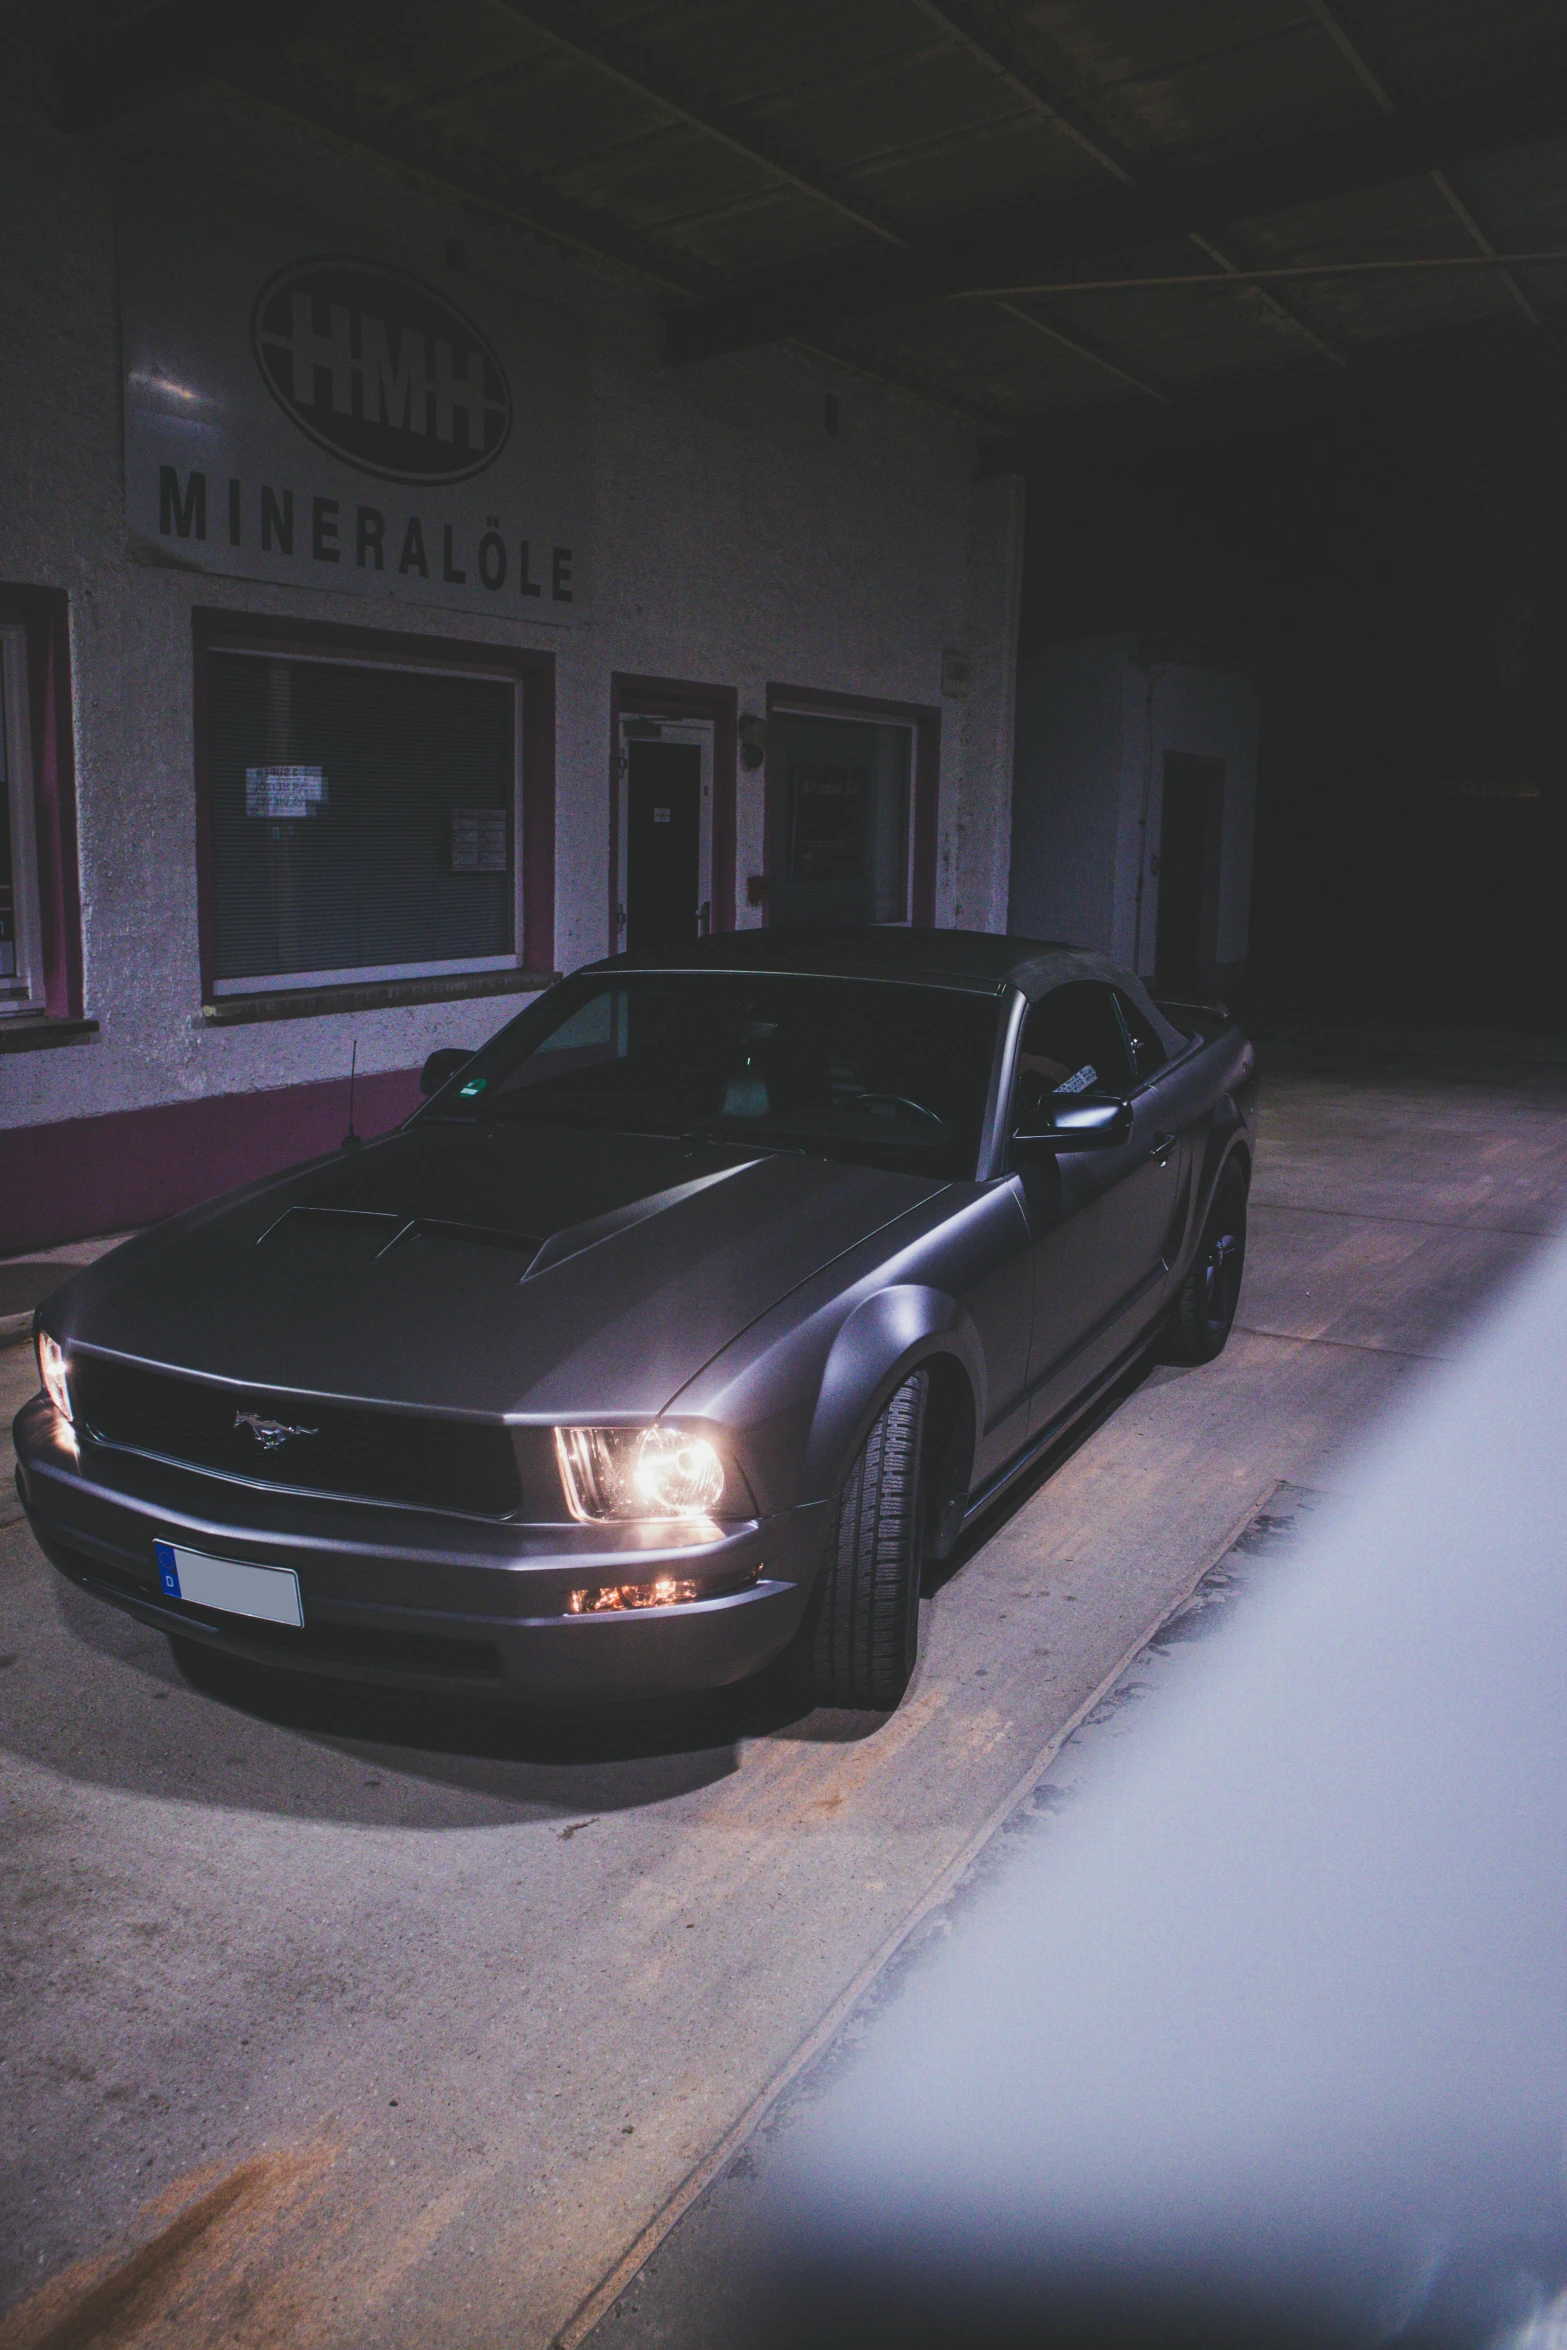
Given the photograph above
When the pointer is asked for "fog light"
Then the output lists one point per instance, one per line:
(602, 1599)
(54, 1369)
(605, 1598)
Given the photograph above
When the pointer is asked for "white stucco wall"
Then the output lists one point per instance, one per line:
(1072, 719)
(734, 542)
(976, 848)
(1094, 723)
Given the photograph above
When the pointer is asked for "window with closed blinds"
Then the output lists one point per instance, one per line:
(21, 961)
(363, 821)
(838, 819)
(10, 944)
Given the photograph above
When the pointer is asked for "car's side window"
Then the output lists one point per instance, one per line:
(592, 1033)
(1146, 1045)
(1072, 1042)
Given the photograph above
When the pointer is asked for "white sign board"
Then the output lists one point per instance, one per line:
(479, 841)
(329, 419)
(284, 791)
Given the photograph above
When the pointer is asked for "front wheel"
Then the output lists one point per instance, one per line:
(866, 1629)
(1207, 1299)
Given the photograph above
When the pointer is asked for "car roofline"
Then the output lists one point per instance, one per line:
(970, 962)
(956, 983)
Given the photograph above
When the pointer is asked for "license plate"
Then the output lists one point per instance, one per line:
(272, 1593)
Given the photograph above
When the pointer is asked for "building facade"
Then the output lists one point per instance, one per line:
(1134, 809)
(386, 626)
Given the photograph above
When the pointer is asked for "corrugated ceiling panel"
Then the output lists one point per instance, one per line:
(979, 353)
(1422, 51)
(892, 115)
(1206, 80)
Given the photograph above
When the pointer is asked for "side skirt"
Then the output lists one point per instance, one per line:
(1052, 1433)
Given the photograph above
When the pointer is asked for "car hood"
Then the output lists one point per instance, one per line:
(522, 1270)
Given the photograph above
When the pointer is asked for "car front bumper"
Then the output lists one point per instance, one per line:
(407, 1600)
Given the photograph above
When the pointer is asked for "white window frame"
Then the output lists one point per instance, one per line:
(26, 991)
(905, 726)
(641, 726)
(357, 974)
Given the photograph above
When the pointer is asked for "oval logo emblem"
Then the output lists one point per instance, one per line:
(381, 371)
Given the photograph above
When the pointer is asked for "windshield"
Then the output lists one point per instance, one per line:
(896, 1076)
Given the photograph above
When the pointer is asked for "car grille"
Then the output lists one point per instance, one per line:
(373, 1455)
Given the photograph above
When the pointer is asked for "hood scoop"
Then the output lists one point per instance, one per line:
(332, 1238)
(331, 1235)
(439, 1228)
(574, 1238)
(365, 1235)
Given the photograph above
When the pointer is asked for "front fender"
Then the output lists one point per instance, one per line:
(885, 1338)
(799, 1389)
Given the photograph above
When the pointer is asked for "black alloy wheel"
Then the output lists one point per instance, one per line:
(865, 1632)
(1206, 1302)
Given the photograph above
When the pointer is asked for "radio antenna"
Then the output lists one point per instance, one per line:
(351, 1139)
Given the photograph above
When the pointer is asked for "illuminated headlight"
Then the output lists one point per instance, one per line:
(646, 1473)
(54, 1369)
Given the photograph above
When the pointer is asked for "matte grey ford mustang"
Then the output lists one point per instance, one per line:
(678, 1328)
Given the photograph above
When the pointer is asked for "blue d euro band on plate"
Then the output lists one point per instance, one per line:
(231, 1586)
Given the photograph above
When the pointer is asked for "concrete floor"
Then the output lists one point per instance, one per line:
(341, 2022)
(709, 2278)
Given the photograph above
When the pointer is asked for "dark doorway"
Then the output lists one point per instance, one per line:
(1186, 948)
(663, 844)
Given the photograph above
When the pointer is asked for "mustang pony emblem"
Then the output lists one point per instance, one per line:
(269, 1434)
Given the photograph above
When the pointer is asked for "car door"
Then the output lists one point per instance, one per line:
(1101, 1220)
(1164, 1107)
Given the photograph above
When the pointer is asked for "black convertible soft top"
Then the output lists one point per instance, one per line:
(980, 961)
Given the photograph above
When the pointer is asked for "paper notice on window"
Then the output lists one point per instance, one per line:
(272, 792)
(1080, 1079)
(479, 842)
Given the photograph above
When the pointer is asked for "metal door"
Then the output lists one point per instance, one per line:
(1191, 826)
(663, 845)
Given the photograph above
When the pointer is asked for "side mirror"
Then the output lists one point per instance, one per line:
(441, 1068)
(1074, 1122)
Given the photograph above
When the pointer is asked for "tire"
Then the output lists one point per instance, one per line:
(1206, 1301)
(865, 1635)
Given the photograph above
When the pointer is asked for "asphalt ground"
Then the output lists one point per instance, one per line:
(334, 2020)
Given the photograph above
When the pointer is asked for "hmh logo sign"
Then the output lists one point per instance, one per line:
(381, 371)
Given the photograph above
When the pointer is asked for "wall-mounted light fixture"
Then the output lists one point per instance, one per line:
(753, 741)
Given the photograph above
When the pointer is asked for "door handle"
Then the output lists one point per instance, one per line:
(1161, 1147)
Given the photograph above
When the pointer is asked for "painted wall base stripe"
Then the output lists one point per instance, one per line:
(85, 1175)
